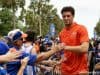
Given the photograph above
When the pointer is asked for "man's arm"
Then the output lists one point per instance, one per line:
(80, 49)
(53, 50)
(23, 65)
(37, 58)
(97, 66)
(48, 62)
(11, 55)
(45, 55)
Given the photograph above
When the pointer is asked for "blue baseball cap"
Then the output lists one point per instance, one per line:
(16, 34)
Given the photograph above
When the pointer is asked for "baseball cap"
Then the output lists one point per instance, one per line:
(16, 34)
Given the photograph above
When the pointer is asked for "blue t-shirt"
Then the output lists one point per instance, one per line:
(3, 48)
(13, 67)
(3, 71)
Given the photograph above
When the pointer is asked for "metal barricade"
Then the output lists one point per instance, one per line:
(55, 71)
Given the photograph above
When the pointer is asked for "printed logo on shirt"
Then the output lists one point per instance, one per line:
(73, 34)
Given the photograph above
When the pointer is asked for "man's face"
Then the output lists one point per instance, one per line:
(19, 42)
(67, 18)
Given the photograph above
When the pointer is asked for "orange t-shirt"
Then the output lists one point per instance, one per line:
(74, 63)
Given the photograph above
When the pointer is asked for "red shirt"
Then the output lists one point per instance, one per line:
(74, 63)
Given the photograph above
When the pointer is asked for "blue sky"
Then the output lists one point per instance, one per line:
(87, 11)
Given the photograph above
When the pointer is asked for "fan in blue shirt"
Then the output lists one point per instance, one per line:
(6, 56)
(16, 37)
(13, 67)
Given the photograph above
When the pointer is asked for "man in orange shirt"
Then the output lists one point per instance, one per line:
(76, 40)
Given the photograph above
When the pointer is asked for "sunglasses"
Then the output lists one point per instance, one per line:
(20, 39)
(24, 41)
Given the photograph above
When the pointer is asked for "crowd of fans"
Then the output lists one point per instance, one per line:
(94, 56)
(22, 53)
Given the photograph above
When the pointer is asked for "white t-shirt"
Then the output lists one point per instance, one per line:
(27, 48)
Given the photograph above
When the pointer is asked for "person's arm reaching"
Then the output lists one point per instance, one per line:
(23, 65)
(53, 50)
(10, 55)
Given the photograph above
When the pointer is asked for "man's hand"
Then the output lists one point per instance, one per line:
(23, 65)
(58, 47)
(11, 55)
(48, 68)
(52, 62)
(61, 46)
(24, 62)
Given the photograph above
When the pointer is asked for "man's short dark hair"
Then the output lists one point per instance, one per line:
(68, 9)
(31, 35)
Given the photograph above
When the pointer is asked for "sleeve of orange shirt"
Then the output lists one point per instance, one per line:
(83, 34)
